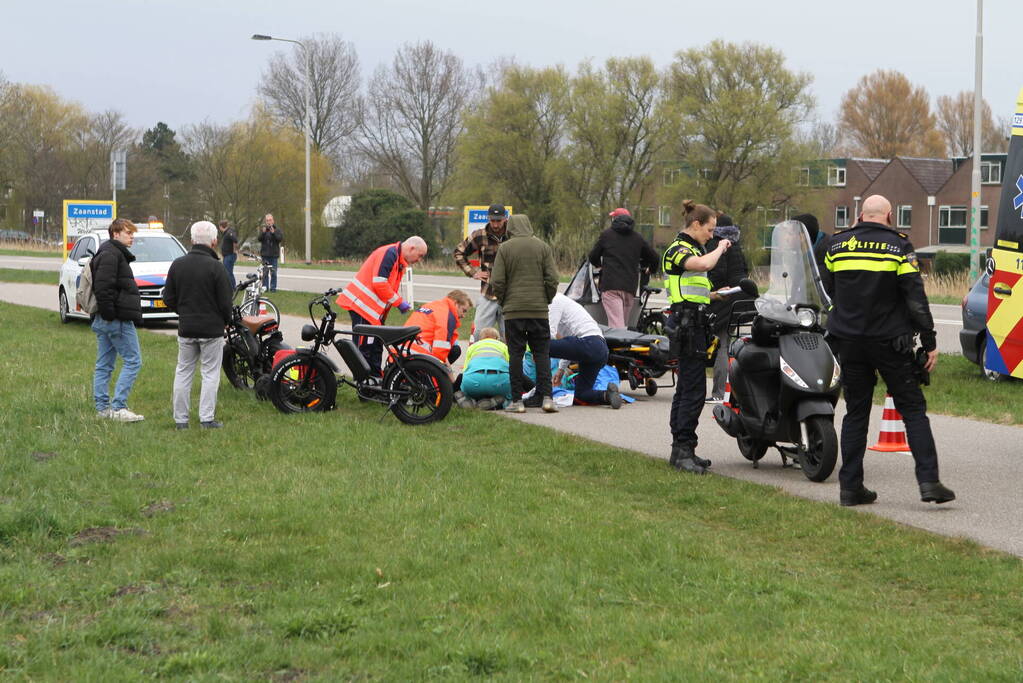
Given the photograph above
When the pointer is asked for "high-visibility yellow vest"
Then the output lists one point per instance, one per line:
(684, 285)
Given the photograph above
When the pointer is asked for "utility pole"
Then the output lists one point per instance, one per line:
(978, 100)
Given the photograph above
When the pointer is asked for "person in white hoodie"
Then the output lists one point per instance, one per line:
(575, 336)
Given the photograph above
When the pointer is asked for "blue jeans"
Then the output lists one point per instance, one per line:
(113, 338)
(270, 281)
(229, 261)
(591, 354)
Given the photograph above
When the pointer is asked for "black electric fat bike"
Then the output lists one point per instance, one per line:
(415, 387)
(250, 346)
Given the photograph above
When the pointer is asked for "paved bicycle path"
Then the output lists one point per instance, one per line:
(982, 462)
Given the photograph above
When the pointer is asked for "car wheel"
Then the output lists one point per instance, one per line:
(63, 306)
(991, 375)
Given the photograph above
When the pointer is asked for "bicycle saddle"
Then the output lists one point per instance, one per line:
(652, 290)
(256, 323)
(388, 334)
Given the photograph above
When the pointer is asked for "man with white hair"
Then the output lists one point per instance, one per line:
(199, 291)
(374, 291)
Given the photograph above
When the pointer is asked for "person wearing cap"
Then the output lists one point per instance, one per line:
(730, 268)
(621, 253)
(485, 242)
(199, 291)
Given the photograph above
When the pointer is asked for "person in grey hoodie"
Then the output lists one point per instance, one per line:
(525, 280)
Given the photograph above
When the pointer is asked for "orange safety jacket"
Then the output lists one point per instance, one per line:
(375, 287)
(438, 322)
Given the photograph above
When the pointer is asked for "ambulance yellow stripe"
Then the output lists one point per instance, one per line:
(1017, 120)
(1010, 310)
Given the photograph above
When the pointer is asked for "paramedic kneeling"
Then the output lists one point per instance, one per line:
(685, 265)
(575, 336)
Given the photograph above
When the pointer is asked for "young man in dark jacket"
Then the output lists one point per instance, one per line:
(198, 291)
(525, 280)
(229, 249)
(731, 268)
(270, 238)
(119, 309)
(621, 253)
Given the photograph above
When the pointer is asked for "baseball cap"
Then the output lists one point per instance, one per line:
(496, 211)
(620, 212)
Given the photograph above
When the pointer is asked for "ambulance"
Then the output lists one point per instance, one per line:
(1003, 350)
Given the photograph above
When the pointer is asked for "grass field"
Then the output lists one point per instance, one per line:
(347, 545)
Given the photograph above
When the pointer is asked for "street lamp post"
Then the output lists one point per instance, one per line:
(308, 135)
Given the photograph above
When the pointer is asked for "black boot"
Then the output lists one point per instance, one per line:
(935, 492)
(862, 496)
(684, 459)
(702, 462)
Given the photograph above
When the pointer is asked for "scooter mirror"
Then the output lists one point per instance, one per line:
(749, 287)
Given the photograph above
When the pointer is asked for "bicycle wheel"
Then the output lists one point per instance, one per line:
(303, 384)
(425, 389)
(236, 368)
(266, 307)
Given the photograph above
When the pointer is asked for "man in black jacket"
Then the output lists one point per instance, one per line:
(879, 304)
(731, 268)
(270, 238)
(199, 292)
(620, 253)
(229, 249)
(119, 309)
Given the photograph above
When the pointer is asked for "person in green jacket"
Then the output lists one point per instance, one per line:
(525, 280)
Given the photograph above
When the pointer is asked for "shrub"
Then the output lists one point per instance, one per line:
(946, 264)
(377, 217)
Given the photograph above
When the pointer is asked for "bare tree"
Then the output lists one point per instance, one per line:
(885, 116)
(413, 117)
(334, 99)
(955, 121)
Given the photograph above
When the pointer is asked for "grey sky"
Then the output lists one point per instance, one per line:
(189, 60)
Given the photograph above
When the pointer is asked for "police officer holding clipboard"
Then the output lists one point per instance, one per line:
(685, 264)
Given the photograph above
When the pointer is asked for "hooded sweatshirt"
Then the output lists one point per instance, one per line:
(524, 278)
(621, 252)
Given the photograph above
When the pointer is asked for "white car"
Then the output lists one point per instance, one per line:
(154, 251)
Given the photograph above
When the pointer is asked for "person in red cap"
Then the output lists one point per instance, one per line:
(621, 253)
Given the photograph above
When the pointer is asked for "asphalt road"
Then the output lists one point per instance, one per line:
(948, 319)
(980, 461)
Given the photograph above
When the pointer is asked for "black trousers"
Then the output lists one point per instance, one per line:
(370, 347)
(537, 333)
(861, 362)
(691, 385)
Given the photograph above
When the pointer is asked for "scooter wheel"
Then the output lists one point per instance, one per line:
(651, 386)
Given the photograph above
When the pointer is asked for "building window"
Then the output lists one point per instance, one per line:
(952, 224)
(803, 177)
(905, 218)
(990, 172)
(664, 215)
(671, 175)
(836, 176)
(983, 217)
(841, 216)
(706, 173)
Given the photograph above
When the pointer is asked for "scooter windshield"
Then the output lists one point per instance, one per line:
(795, 282)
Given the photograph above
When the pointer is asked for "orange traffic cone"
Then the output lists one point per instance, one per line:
(893, 431)
(728, 386)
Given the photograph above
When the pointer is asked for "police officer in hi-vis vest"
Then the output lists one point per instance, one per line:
(685, 265)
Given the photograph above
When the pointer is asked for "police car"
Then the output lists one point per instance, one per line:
(154, 251)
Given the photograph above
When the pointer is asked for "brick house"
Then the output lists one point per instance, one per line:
(930, 197)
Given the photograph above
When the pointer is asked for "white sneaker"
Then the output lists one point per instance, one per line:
(104, 414)
(125, 415)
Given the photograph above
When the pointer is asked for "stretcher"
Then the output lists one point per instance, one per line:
(640, 359)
